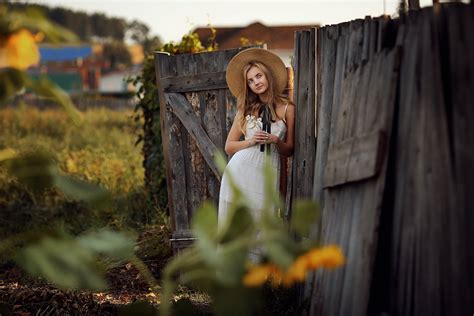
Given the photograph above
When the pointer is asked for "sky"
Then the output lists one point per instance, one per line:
(172, 19)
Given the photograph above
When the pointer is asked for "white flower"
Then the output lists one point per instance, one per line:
(253, 122)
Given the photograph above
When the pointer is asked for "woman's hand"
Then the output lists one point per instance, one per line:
(262, 137)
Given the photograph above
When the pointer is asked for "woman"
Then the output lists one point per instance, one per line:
(257, 78)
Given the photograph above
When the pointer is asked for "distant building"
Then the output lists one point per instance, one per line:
(279, 39)
(82, 68)
(116, 82)
(75, 68)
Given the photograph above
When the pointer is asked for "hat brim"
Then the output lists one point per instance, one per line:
(273, 62)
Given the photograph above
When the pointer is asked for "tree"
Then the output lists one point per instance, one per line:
(140, 34)
(117, 54)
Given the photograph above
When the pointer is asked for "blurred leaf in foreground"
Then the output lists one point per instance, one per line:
(108, 243)
(38, 171)
(44, 87)
(74, 263)
(63, 262)
(305, 214)
(12, 81)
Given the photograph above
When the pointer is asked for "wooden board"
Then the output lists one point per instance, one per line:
(354, 159)
(305, 142)
(197, 82)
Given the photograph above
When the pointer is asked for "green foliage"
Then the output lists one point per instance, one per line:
(31, 18)
(303, 216)
(39, 172)
(44, 87)
(74, 262)
(216, 263)
(11, 82)
(140, 33)
(190, 43)
(84, 25)
(100, 152)
(117, 54)
(63, 263)
(108, 243)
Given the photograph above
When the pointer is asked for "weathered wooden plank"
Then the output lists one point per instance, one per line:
(366, 42)
(382, 25)
(339, 73)
(426, 159)
(403, 232)
(413, 4)
(460, 97)
(354, 159)
(305, 142)
(182, 109)
(172, 148)
(356, 38)
(195, 82)
(195, 163)
(329, 50)
(373, 37)
(354, 209)
(316, 84)
(327, 53)
(211, 116)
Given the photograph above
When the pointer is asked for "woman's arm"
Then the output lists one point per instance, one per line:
(233, 143)
(287, 146)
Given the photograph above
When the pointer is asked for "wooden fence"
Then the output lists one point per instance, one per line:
(390, 151)
(384, 140)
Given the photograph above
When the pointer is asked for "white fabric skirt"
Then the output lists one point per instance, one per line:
(246, 169)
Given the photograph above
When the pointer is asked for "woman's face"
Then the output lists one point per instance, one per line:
(257, 81)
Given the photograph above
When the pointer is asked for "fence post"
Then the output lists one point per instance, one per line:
(415, 4)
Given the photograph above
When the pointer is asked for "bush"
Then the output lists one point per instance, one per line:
(101, 150)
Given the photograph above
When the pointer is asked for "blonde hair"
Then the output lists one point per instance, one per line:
(248, 103)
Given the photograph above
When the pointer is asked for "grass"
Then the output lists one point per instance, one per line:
(100, 150)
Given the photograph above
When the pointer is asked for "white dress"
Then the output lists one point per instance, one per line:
(246, 169)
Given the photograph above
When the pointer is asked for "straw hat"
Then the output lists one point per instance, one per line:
(273, 62)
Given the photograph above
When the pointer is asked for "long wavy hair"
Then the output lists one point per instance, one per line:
(248, 103)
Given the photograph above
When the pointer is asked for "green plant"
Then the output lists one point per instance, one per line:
(100, 150)
(218, 262)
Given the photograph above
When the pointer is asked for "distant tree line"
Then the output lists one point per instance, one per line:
(95, 26)
(86, 26)
(98, 27)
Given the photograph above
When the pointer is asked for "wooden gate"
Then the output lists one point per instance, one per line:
(196, 113)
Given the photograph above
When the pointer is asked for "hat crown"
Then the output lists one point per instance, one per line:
(272, 61)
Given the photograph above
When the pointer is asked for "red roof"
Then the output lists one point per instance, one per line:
(276, 37)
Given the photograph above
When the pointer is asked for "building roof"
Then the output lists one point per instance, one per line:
(64, 53)
(276, 37)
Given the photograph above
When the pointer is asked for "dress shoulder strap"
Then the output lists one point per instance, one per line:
(284, 114)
